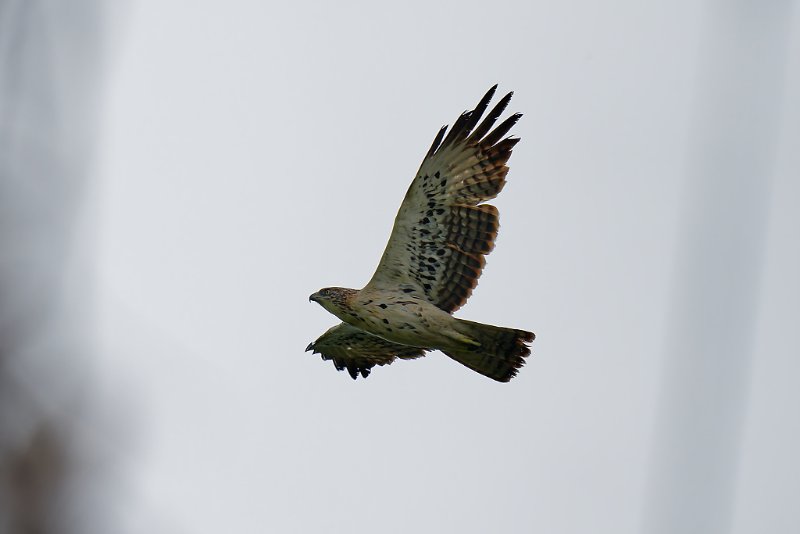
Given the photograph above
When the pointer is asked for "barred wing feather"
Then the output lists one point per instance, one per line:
(357, 351)
(442, 231)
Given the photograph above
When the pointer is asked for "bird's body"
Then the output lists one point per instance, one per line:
(400, 318)
(432, 262)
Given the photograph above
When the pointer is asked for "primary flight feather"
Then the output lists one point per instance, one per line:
(432, 262)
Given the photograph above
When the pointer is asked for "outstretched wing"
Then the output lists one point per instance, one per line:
(442, 231)
(357, 351)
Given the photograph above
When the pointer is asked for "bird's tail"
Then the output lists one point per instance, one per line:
(500, 352)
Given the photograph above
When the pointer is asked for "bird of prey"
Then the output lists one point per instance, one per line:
(432, 262)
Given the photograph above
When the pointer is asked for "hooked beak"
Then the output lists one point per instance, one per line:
(314, 298)
(310, 347)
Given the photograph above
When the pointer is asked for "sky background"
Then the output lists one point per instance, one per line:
(247, 154)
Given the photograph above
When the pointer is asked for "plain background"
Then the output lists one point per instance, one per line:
(250, 153)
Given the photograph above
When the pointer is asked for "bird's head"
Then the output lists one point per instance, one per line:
(333, 299)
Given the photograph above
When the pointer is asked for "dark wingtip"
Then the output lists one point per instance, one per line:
(484, 102)
(487, 123)
(353, 371)
(437, 141)
(497, 134)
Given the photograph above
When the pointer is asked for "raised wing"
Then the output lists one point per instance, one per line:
(442, 231)
(357, 351)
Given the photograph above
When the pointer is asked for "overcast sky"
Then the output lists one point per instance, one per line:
(251, 153)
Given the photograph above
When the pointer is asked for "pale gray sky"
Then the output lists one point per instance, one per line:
(251, 153)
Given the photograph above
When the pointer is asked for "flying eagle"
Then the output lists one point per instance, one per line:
(432, 262)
